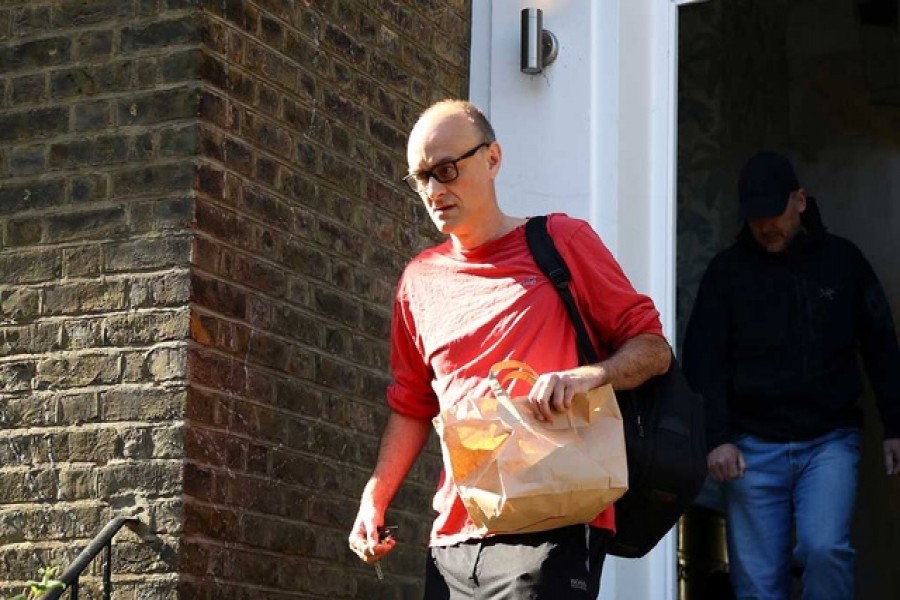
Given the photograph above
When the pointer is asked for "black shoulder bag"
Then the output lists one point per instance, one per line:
(665, 439)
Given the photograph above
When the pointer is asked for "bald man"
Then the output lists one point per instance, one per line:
(474, 300)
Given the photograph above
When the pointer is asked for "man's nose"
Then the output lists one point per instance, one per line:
(764, 222)
(434, 188)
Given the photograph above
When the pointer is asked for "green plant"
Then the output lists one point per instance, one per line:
(36, 588)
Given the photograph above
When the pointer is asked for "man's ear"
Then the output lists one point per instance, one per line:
(494, 158)
(800, 196)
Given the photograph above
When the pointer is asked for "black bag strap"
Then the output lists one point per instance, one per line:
(554, 267)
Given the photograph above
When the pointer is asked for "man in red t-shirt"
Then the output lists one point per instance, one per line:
(468, 303)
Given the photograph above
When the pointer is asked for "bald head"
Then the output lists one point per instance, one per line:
(466, 113)
(453, 162)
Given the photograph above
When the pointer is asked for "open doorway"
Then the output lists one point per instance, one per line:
(818, 80)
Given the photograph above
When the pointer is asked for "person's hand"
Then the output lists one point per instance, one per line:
(726, 463)
(553, 392)
(364, 539)
(892, 456)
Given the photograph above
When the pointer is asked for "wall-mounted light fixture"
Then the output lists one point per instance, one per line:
(539, 46)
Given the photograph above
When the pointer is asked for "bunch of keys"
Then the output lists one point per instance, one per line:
(384, 534)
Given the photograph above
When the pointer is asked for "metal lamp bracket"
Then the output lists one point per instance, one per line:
(539, 46)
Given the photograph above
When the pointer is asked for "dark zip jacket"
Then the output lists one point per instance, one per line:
(773, 340)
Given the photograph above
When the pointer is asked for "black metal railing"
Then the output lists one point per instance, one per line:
(102, 541)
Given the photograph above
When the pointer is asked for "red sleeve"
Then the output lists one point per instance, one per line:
(410, 393)
(610, 305)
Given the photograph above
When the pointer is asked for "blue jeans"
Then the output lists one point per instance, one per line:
(810, 485)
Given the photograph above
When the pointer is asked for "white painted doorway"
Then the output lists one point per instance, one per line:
(593, 135)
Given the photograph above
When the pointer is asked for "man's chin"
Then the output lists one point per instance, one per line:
(443, 224)
(772, 245)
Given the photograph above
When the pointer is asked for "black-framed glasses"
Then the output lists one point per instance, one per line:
(444, 172)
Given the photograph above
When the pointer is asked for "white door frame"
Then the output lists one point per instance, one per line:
(595, 136)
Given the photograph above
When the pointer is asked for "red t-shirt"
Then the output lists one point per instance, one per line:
(456, 313)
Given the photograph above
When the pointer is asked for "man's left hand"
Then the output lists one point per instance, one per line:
(553, 392)
(892, 455)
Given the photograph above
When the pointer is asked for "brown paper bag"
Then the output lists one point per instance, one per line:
(517, 474)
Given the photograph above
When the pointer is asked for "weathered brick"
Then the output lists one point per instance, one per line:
(28, 89)
(30, 449)
(91, 80)
(173, 32)
(348, 48)
(146, 72)
(336, 374)
(19, 305)
(166, 442)
(28, 160)
(272, 66)
(30, 20)
(37, 194)
(160, 215)
(254, 273)
(238, 157)
(92, 116)
(89, 188)
(77, 408)
(79, 334)
(143, 329)
(94, 45)
(268, 135)
(175, 177)
(266, 171)
(154, 478)
(83, 261)
(18, 486)
(107, 149)
(68, 13)
(94, 445)
(215, 372)
(24, 232)
(33, 124)
(85, 297)
(220, 296)
(36, 54)
(29, 339)
(31, 266)
(387, 134)
(211, 144)
(181, 141)
(305, 52)
(146, 254)
(142, 404)
(185, 65)
(76, 483)
(169, 289)
(159, 106)
(94, 224)
(166, 363)
(77, 371)
(136, 443)
(167, 515)
(216, 110)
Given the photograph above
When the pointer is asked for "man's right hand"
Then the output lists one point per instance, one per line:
(726, 463)
(364, 540)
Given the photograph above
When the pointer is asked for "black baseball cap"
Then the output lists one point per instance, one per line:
(767, 181)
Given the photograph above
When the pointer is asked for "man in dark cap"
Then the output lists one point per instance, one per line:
(772, 345)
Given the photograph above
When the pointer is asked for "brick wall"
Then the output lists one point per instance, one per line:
(97, 143)
(302, 232)
(201, 231)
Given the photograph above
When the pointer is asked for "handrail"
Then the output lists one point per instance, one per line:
(101, 541)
